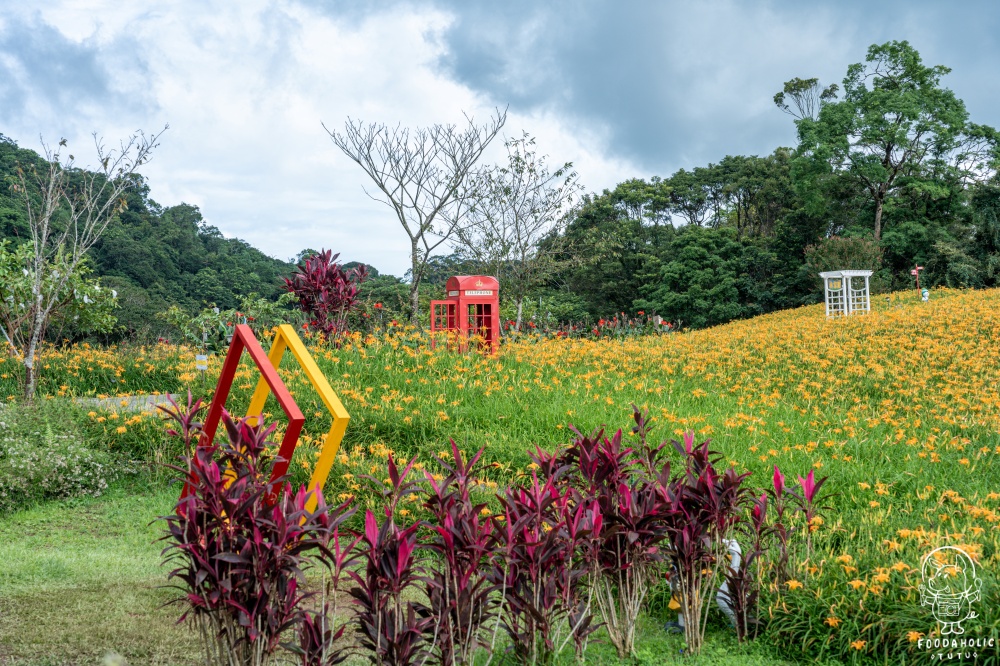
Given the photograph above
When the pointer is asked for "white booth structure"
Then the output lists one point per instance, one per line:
(846, 292)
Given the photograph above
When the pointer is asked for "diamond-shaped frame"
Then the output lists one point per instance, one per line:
(287, 339)
(244, 339)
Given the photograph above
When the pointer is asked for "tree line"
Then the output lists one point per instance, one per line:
(889, 171)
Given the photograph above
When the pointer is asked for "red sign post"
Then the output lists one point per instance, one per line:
(916, 273)
(472, 308)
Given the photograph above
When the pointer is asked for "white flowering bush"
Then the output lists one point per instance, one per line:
(41, 464)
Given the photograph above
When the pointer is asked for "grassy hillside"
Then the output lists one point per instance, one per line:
(898, 408)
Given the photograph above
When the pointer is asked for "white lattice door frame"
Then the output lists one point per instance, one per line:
(846, 292)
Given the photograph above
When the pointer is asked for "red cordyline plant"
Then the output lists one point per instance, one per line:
(186, 418)
(625, 555)
(538, 537)
(780, 496)
(395, 628)
(462, 598)
(703, 507)
(811, 504)
(239, 559)
(319, 632)
(326, 291)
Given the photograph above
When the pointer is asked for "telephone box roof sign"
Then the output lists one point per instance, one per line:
(472, 286)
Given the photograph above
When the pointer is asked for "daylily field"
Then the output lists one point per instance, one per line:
(899, 408)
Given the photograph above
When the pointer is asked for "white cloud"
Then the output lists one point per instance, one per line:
(244, 87)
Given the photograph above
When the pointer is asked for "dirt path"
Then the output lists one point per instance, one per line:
(129, 403)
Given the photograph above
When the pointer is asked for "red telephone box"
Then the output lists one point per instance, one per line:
(472, 308)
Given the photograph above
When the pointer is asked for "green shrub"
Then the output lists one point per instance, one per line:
(43, 464)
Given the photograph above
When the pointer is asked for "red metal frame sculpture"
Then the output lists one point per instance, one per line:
(244, 339)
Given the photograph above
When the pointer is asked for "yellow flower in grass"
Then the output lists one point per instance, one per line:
(899, 566)
(856, 583)
(914, 636)
(121, 430)
(832, 621)
(859, 644)
(793, 584)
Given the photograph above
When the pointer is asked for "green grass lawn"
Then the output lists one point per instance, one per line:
(82, 579)
(899, 409)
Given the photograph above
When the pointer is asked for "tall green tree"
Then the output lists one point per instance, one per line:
(895, 128)
(616, 247)
(709, 277)
(688, 198)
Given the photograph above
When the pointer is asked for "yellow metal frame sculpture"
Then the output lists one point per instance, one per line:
(285, 338)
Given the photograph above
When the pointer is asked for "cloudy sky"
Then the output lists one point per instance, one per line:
(622, 89)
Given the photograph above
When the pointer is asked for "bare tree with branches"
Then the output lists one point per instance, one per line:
(420, 174)
(67, 210)
(514, 215)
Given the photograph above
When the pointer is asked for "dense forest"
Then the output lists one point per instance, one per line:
(889, 172)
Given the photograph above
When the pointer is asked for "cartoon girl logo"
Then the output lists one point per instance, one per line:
(950, 587)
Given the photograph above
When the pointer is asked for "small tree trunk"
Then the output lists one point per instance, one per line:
(520, 310)
(878, 218)
(415, 283)
(415, 304)
(30, 376)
